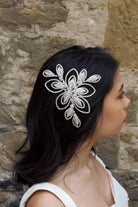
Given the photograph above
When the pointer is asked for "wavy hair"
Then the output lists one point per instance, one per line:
(52, 139)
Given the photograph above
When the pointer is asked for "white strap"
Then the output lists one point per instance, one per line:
(62, 195)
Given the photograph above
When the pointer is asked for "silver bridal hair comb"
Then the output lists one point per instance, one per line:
(73, 91)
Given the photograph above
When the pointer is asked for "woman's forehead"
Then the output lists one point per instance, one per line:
(118, 84)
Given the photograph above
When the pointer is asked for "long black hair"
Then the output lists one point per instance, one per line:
(52, 139)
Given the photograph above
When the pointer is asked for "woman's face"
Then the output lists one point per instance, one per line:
(114, 110)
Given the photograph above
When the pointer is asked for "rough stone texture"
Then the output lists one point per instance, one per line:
(132, 154)
(129, 180)
(46, 15)
(133, 203)
(48, 45)
(132, 110)
(11, 144)
(5, 163)
(108, 149)
(9, 3)
(84, 24)
(30, 32)
(3, 196)
(95, 5)
(126, 136)
(122, 31)
(11, 192)
(10, 185)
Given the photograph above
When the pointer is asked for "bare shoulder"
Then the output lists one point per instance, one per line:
(44, 199)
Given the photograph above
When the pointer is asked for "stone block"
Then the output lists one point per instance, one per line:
(126, 136)
(107, 148)
(12, 142)
(1, 69)
(133, 107)
(133, 203)
(9, 3)
(10, 185)
(5, 163)
(14, 203)
(4, 196)
(11, 114)
(41, 49)
(121, 34)
(132, 154)
(129, 180)
(45, 15)
(12, 53)
(93, 6)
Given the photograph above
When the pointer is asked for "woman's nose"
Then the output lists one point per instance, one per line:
(127, 102)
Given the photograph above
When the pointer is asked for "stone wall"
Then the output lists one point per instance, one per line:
(31, 31)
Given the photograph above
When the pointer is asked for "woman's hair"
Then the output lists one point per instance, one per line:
(52, 139)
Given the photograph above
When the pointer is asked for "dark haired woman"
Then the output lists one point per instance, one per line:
(77, 98)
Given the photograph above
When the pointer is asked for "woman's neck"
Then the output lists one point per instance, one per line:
(81, 160)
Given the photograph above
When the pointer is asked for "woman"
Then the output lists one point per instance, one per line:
(77, 98)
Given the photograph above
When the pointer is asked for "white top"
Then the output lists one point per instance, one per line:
(119, 194)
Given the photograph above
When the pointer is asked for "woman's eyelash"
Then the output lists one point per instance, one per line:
(122, 94)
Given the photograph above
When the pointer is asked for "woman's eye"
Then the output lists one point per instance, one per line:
(122, 94)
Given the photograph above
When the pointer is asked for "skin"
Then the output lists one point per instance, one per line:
(84, 178)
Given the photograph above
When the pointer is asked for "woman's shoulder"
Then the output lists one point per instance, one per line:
(44, 198)
(46, 194)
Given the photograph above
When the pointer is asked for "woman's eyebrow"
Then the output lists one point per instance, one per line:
(121, 87)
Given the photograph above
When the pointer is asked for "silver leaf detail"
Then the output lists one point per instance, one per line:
(82, 76)
(48, 74)
(69, 113)
(94, 78)
(76, 121)
(60, 72)
(82, 91)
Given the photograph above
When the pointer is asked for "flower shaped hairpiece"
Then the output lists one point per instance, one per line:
(73, 91)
